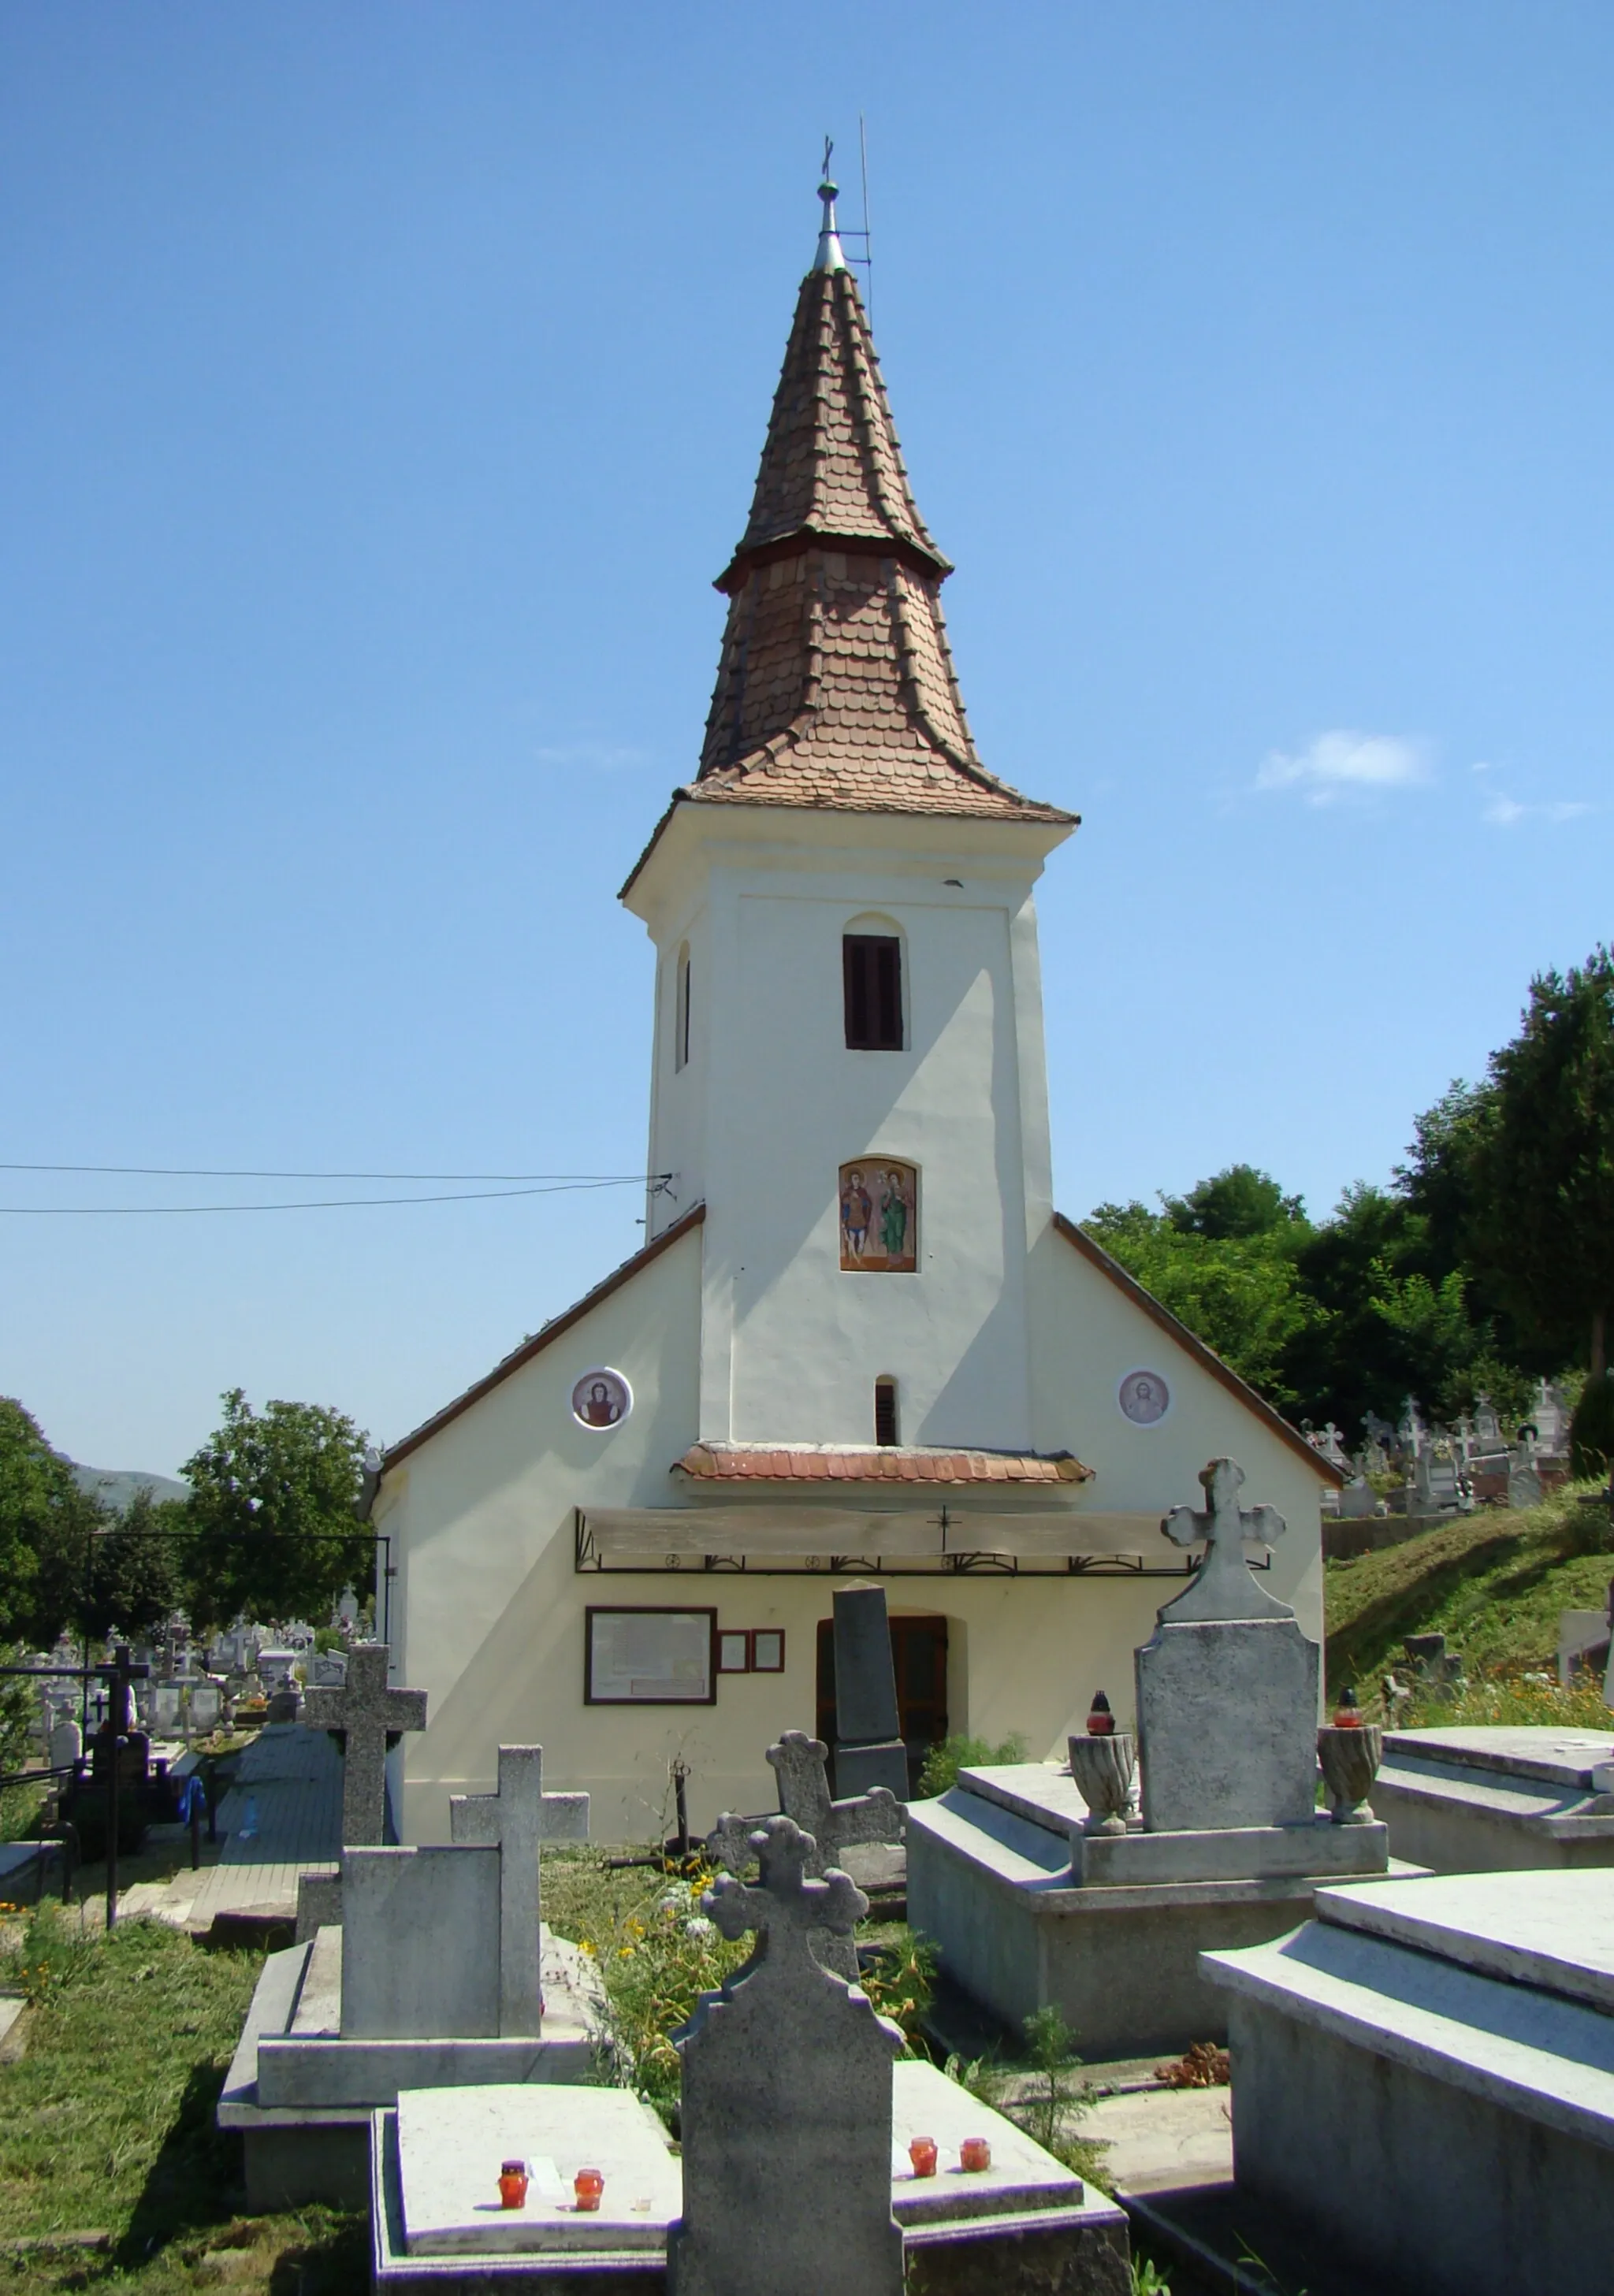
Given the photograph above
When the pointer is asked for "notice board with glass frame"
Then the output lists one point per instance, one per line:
(644, 1656)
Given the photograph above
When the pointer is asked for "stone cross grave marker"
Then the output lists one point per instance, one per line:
(799, 1764)
(1227, 1684)
(1223, 1587)
(367, 1713)
(516, 1819)
(785, 2110)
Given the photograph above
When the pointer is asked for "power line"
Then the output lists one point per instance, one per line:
(312, 1204)
(217, 1172)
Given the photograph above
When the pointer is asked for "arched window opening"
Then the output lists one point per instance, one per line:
(871, 966)
(886, 1427)
(680, 1016)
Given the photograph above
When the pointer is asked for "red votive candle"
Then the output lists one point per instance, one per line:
(587, 2184)
(512, 2185)
(922, 2153)
(975, 2154)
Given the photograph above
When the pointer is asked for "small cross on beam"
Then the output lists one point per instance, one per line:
(514, 1820)
(1223, 1587)
(368, 1716)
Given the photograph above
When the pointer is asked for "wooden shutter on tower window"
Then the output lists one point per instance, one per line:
(872, 968)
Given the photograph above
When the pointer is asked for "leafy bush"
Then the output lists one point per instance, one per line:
(1592, 1430)
(944, 1761)
(900, 1981)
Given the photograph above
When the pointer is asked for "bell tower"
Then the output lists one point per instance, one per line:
(848, 1065)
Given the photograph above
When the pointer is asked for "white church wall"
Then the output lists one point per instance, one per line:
(1086, 1335)
(791, 1345)
(481, 1522)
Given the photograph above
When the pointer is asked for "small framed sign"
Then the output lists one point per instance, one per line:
(644, 1657)
(768, 1650)
(733, 1651)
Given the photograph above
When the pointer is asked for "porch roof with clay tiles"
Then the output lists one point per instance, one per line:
(869, 1462)
(836, 687)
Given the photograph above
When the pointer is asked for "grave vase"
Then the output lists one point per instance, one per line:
(1103, 1768)
(1350, 1761)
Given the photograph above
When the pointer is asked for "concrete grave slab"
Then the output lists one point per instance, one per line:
(1411, 2056)
(450, 2142)
(1018, 2230)
(1476, 1799)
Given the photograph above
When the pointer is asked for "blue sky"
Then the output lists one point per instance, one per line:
(382, 388)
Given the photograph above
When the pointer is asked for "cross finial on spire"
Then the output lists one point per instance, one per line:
(829, 257)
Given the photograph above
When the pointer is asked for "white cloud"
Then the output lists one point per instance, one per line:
(1507, 813)
(1343, 764)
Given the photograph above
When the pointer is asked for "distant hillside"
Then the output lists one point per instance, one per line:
(116, 1485)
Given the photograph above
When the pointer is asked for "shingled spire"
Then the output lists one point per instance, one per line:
(836, 687)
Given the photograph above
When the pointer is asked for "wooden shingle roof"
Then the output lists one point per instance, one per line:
(836, 687)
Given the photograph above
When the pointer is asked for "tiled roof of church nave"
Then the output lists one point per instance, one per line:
(836, 687)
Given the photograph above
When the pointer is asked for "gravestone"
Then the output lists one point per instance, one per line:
(207, 1706)
(368, 1716)
(787, 2101)
(1523, 1478)
(66, 1744)
(516, 1819)
(800, 1764)
(421, 1944)
(868, 1749)
(1358, 1501)
(327, 1670)
(168, 1715)
(1227, 1684)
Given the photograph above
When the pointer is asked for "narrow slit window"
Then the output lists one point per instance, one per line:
(680, 1017)
(885, 1432)
(872, 968)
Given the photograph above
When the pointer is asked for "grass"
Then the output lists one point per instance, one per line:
(106, 2124)
(1492, 1582)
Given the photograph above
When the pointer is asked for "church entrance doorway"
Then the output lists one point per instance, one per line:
(919, 1653)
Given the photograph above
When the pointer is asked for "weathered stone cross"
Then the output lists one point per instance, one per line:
(1223, 1587)
(788, 1907)
(827, 1827)
(798, 1762)
(369, 1716)
(786, 2099)
(514, 1820)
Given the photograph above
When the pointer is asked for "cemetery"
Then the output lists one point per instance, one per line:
(558, 1885)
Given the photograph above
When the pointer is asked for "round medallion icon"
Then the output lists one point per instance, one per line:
(1144, 1397)
(602, 1398)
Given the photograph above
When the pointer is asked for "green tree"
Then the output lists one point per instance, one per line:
(1239, 1202)
(1239, 1293)
(1541, 1167)
(44, 1516)
(121, 1574)
(272, 1511)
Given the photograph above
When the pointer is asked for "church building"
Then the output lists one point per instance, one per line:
(858, 1341)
